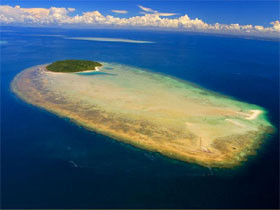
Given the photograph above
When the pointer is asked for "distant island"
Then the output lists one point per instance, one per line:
(73, 66)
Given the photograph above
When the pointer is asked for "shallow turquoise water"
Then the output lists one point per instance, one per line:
(94, 73)
(40, 150)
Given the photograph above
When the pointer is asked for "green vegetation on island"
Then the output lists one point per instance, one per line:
(73, 66)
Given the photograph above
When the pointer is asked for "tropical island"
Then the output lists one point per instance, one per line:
(72, 66)
(147, 110)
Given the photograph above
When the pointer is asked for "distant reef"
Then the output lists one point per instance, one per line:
(73, 66)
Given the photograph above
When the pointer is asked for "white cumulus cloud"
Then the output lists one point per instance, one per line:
(55, 16)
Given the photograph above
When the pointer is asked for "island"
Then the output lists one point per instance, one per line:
(148, 110)
(73, 66)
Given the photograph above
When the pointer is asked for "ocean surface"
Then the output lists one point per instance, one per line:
(49, 162)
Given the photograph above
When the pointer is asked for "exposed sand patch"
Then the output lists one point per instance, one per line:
(255, 114)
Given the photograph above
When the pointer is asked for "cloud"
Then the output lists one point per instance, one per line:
(165, 14)
(147, 9)
(71, 9)
(151, 19)
(151, 11)
(119, 11)
(37, 12)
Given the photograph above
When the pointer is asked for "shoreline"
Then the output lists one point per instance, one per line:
(88, 71)
(85, 71)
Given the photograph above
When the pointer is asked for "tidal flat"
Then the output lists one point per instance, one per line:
(150, 111)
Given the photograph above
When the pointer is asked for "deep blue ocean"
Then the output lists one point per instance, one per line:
(50, 162)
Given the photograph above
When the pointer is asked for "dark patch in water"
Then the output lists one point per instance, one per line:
(108, 68)
(97, 73)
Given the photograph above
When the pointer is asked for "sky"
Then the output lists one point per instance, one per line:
(222, 16)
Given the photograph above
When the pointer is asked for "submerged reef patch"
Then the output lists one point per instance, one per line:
(150, 111)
